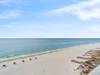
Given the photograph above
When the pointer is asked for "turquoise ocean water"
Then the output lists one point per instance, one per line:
(22, 46)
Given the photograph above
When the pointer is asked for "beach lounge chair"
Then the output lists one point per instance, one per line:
(35, 57)
(14, 62)
(30, 59)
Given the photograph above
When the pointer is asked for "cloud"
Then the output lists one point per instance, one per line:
(83, 10)
(9, 14)
(86, 15)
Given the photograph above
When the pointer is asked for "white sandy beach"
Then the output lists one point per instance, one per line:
(51, 63)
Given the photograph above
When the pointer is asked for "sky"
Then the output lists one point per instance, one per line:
(49, 18)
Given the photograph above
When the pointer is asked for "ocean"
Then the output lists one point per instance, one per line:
(10, 47)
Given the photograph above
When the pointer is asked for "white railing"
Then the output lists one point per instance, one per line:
(95, 71)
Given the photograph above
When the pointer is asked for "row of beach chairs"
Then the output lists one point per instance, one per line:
(4, 65)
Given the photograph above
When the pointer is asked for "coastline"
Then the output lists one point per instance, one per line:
(58, 59)
(40, 53)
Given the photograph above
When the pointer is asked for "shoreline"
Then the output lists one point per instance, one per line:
(56, 62)
(37, 54)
